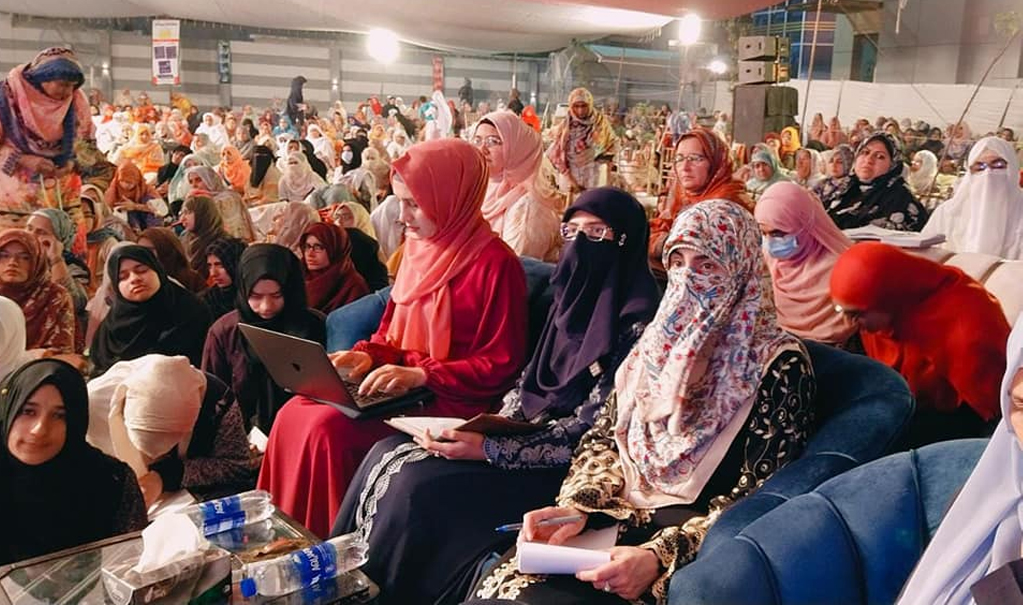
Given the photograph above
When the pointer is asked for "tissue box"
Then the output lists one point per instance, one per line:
(200, 578)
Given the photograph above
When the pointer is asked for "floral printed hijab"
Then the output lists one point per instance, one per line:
(676, 419)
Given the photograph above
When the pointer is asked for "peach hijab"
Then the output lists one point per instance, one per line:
(524, 154)
(448, 179)
(801, 283)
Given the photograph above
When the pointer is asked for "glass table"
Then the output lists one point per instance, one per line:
(72, 576)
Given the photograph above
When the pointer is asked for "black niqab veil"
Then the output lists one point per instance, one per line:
(601, 289)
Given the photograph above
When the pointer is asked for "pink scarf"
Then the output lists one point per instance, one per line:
(448, 179)
(801, 283)
(523, 152)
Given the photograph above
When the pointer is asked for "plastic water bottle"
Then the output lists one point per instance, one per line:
(304, 568)
(235, 511)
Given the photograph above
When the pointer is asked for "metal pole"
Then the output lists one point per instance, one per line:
(618, 79)
(960, 120)
(1013, 91)
(810, 71)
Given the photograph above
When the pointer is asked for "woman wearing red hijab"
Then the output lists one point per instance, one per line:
(456, 323)
(331, 277)
(934, 324)
(702, 170)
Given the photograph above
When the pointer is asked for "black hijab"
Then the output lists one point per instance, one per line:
(260, 400)
(262, 159)
(601, 289)
(315, 163)
(294, 100)
(172, 322)
(71, 499)
(885, 201)
(222, 300)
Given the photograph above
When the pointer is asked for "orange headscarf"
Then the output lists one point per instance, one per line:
(234, 168)
(135, 186)
(948, 334)
(720, 186)
(448, 179)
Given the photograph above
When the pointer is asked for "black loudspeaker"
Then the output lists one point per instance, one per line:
(760, 109)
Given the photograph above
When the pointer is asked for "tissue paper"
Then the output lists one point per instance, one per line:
(169, 537)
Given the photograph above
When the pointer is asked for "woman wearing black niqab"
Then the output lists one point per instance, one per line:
(604, 296)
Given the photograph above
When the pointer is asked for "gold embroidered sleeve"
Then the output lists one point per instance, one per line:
(595, 481)
(676, 546)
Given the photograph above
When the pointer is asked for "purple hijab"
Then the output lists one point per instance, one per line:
(600, 290)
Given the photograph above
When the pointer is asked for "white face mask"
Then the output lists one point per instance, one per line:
(346, 157)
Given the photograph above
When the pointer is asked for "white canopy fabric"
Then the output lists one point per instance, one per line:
(456, 25)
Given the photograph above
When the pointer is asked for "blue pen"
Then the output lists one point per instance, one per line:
(548, 522)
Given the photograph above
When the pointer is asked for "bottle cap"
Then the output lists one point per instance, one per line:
(248, 587)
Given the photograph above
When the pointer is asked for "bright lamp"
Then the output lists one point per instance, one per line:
(382, 45)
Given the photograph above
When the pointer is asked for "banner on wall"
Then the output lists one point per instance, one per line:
(166, 51)
(439, 73)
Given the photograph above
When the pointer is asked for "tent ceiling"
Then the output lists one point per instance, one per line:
(467, 25)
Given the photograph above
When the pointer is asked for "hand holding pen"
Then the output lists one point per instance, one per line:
(553, 525)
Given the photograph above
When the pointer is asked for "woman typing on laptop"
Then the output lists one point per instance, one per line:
(603, 298)
(456, 324)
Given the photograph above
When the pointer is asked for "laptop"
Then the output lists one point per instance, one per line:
(302, 367)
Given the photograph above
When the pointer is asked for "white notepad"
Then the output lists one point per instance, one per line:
(583, 552)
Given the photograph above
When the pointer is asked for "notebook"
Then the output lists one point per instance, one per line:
(488, 424)
(302, 367)
(902, 239)
(583, 552)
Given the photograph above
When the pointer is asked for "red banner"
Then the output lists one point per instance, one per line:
(439, 73)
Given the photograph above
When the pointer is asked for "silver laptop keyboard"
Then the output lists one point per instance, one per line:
(361, 400)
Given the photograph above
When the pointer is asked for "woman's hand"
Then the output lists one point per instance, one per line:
(553, 534)
(359, 362)
(629, 575)
(393, 379)
(152, 486)
(37, 164)
(467, 445)
(52, 248)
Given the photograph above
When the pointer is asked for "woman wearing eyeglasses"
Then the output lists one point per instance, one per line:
(712, 400)
(456, 324)
(936, 326)
(331, 276)
(25, 279)
(602, 300)
(984, 215)
(521, 204)
(702, 170)
(876, 193)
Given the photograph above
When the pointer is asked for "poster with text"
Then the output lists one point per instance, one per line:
(166, 51)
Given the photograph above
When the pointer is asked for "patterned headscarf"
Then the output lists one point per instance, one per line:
(676, 420)
(591, 133)
(34, 122)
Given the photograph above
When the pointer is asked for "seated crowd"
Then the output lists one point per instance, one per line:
(661, 354)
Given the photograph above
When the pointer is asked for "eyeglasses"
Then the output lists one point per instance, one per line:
(19, 257)
(593, 232)
(996, 164)
(490, 141)
(315, 247)
(691, 158)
